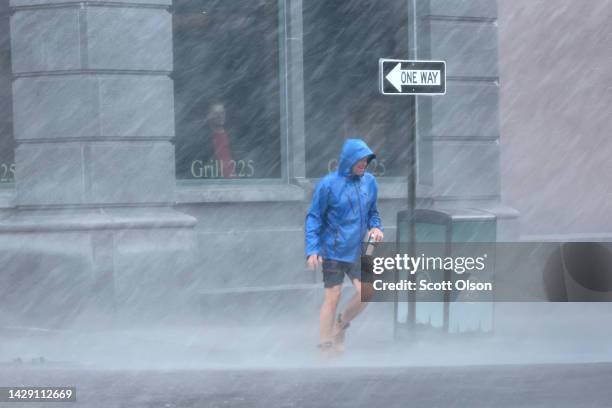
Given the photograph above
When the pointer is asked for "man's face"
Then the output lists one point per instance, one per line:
(360, 167)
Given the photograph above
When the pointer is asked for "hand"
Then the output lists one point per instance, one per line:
(313, 261)
(376, 234)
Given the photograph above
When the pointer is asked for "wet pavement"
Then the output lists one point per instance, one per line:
(540, 361)
(573, 385)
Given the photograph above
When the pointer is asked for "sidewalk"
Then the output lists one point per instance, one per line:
(369, 344)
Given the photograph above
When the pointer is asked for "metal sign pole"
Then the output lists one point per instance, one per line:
(411, 77)
(412, 175)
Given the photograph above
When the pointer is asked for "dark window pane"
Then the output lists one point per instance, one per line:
(343, 41)
(226, 80)
(7, 151)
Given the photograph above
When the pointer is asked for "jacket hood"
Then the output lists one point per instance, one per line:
(353, 151)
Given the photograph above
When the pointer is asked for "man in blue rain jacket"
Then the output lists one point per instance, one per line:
(341, 215)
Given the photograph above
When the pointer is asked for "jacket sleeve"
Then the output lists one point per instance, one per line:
(373, 215)
(314, 219)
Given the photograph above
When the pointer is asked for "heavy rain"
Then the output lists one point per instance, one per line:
(183, 217)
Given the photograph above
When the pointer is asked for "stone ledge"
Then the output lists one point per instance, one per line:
(7, 198)
(188, 194)
(388, 189)
(73, 3)
(94, 219)
(465, 214)
(501, 211)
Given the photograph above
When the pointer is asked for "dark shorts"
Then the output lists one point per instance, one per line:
(334, 271)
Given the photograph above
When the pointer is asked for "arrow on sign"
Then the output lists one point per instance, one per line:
(415, 77)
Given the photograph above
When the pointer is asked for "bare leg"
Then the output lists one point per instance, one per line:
(328, 313)
(355, 305)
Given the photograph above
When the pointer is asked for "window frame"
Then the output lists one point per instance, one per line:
(293, 185)
(283, 125)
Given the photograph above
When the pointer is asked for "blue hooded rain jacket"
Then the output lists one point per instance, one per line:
(343, 208)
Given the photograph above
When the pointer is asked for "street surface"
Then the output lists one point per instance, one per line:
(554, 386)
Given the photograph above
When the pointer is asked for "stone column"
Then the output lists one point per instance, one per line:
(459, 132)
(93, 123)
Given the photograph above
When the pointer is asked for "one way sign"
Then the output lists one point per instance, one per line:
(403, 77)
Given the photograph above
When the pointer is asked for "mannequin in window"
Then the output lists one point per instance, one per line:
(218, 142)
